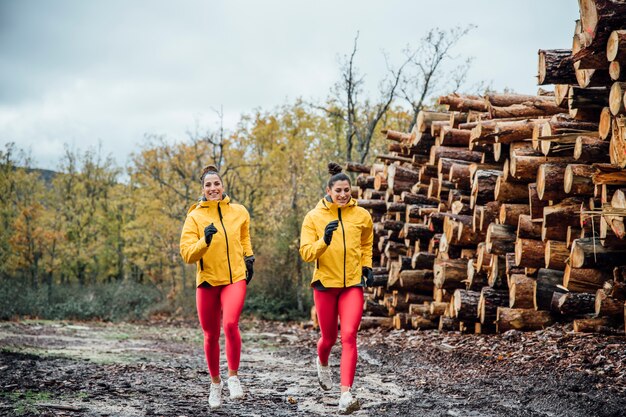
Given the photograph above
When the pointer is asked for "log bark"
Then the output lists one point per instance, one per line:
(549, 281)
(514, 131)
(521, 291)
(598, 20)
(555, 67)
(449, 274)
(521, 319)
(532, 109)
(358, 167)
(578, 180)
(585, 279)
(509, 213)
(550, 179)
(535, 203)
(505, 100)
(416, 280)
(425, 118)
(588, 98)
(463, 103)
(606, 306)
(437, 308)
(465, 306)
(594, 325)
(530, 253)
(487, 214)
(497, 272)
(459, 175)
(528, 229)
(488, 303)
(400, 174)
(374, 205)
(423, 260)
(589, 253)
(422, 323)
(454, 137)
(437, 152)
(558, 217)
(590, 149)
(556, 255)
(483, 186)
(385, 323)
(500, 239)
(573, 304)
(510, 192)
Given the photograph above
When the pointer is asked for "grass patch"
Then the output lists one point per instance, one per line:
(24, 402)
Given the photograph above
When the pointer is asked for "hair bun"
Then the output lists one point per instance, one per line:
(334, 168)
(210, 168)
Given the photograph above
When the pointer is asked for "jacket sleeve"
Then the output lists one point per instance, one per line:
(192, 246)
(367, 241)
(245, 235)
(311, 247)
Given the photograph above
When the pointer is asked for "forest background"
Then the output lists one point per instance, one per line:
(95, 240)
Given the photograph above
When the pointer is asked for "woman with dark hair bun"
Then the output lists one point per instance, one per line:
(337, 235)
(216, 238)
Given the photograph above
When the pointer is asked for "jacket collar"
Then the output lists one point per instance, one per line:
(327, 204)
(224, 202)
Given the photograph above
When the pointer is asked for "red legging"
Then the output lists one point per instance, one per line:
(347, 304)
(210, 302)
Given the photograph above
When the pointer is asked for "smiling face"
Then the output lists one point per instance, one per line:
(212, 187)
(340, 192)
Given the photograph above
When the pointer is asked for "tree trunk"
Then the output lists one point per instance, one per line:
(530, 253)
(527, 229)
(521, 291)
(510, 213)
(556, 255)
(555, 68)
(573, 304)
(510, 192)
(465, 306)
(589, 253)
(548, 282)
(521, 319)
(585, 280)
(488, 303)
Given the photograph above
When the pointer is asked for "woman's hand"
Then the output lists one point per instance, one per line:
(249, 260)
(328, 231)
(209, 231)
(368, 275)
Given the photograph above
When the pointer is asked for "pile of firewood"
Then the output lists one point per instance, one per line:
(506, 211)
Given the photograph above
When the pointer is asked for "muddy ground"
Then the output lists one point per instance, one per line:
(156, 369)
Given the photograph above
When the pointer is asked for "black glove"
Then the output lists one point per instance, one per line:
(328, 232)
(249, 260)
(209, 231)
(368, 276)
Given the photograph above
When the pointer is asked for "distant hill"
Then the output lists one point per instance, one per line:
(47, 174)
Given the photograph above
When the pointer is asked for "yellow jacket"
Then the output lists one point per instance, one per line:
(222, 262)
(340, 263)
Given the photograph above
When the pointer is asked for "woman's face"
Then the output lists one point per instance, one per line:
(212, 187)
(340, 192)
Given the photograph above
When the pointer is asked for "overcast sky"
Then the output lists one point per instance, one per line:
(80, 72)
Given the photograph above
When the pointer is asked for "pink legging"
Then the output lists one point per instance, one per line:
(213, 302)
(347, 305)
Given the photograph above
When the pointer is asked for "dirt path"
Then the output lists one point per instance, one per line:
(95, 369)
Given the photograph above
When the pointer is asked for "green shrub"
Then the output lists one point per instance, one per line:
(110, 302)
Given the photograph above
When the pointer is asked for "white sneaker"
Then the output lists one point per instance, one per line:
(215, 395)
(234, 386)
(347, 403)
(324, 376)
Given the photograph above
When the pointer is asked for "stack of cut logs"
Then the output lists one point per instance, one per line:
(506, 211)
